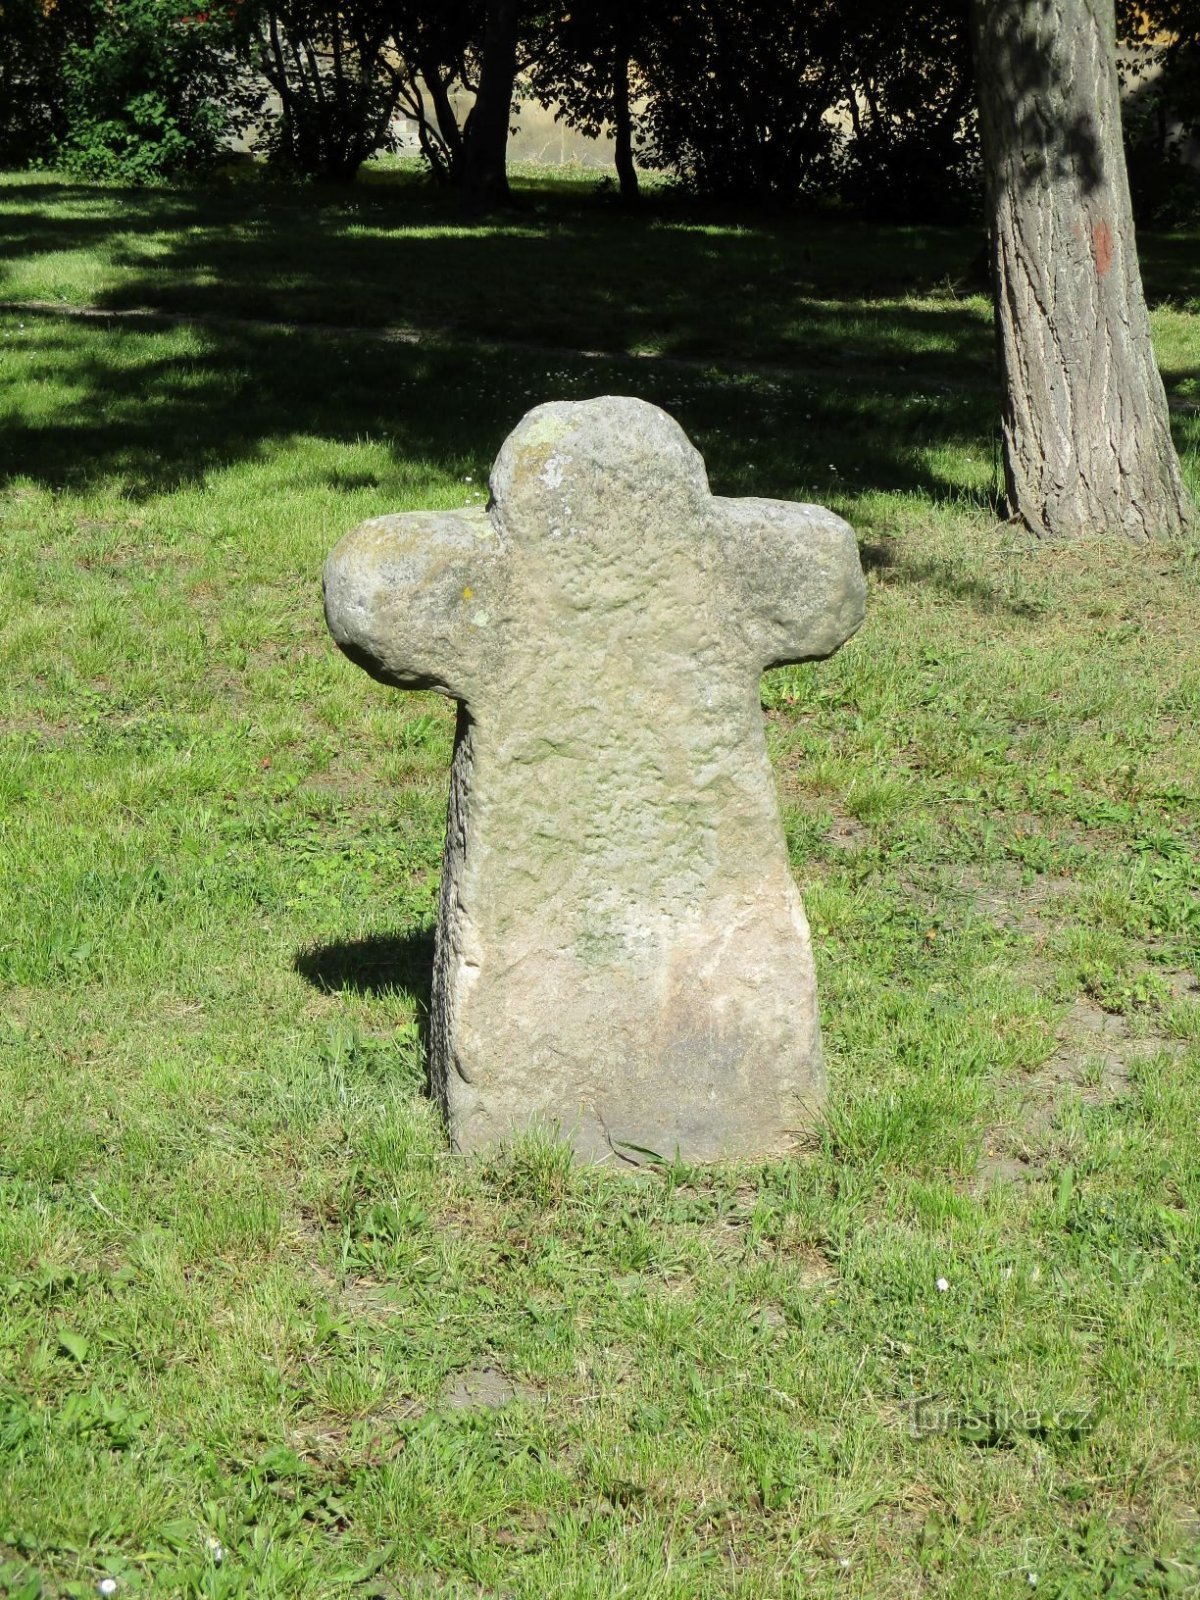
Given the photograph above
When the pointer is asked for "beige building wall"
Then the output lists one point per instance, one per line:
(541, 139)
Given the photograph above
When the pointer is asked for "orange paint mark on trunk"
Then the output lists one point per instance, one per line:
(1102, 245)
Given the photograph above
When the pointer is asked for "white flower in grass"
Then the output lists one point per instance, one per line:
(107, 1586)
(1031, 1579)
(942, 1285)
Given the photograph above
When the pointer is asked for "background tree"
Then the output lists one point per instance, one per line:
(739, 91)
(485, 146)
(1160, 68)
(1087, 441)
(337, 84)
(436, 45)
(587, 62)
(147, 89)
(908, 91)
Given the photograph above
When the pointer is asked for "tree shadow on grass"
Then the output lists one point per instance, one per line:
(562, 274)
(858, 387)
(150, 411)
(375, 965)
(984, 597)
(853, 395)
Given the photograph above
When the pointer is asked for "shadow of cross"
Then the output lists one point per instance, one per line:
(621, 955)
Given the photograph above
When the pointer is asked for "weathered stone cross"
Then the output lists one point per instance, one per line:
(621, 954)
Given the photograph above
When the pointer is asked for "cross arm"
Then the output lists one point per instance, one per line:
(796, 571)
(415, 599)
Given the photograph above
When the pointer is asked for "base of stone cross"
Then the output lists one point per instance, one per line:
(707, 1045)
(622, 956)
(703, 1043)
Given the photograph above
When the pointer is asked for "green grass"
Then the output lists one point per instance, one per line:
(245, 1294)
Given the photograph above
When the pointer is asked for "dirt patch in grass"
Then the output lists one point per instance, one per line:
(484, 1388)
(1099, 1051)
(1095, 1063)
(375, 1437)
(365, 1298)
(1009, 897)
(848, 834)
(33, 727)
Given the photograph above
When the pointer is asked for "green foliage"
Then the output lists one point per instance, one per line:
(738, 94)
(336, 84)
(872, 102)
(908, 92)
(33, 38)
(1160, 60)
(152, 92)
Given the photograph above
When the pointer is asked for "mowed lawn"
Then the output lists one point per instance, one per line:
(260, 1335)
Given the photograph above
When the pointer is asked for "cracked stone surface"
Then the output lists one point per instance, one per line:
(622, 956)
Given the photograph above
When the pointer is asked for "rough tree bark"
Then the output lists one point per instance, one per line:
(1087, 441)
(485, 150)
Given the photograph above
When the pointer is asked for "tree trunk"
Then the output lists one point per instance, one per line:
(447, 123)
(623, 121)
(485, 152)
(1087, 440)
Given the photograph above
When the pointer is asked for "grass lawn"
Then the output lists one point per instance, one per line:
(260, 1335)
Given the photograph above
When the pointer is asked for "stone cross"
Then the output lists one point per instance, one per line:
(622, 957)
